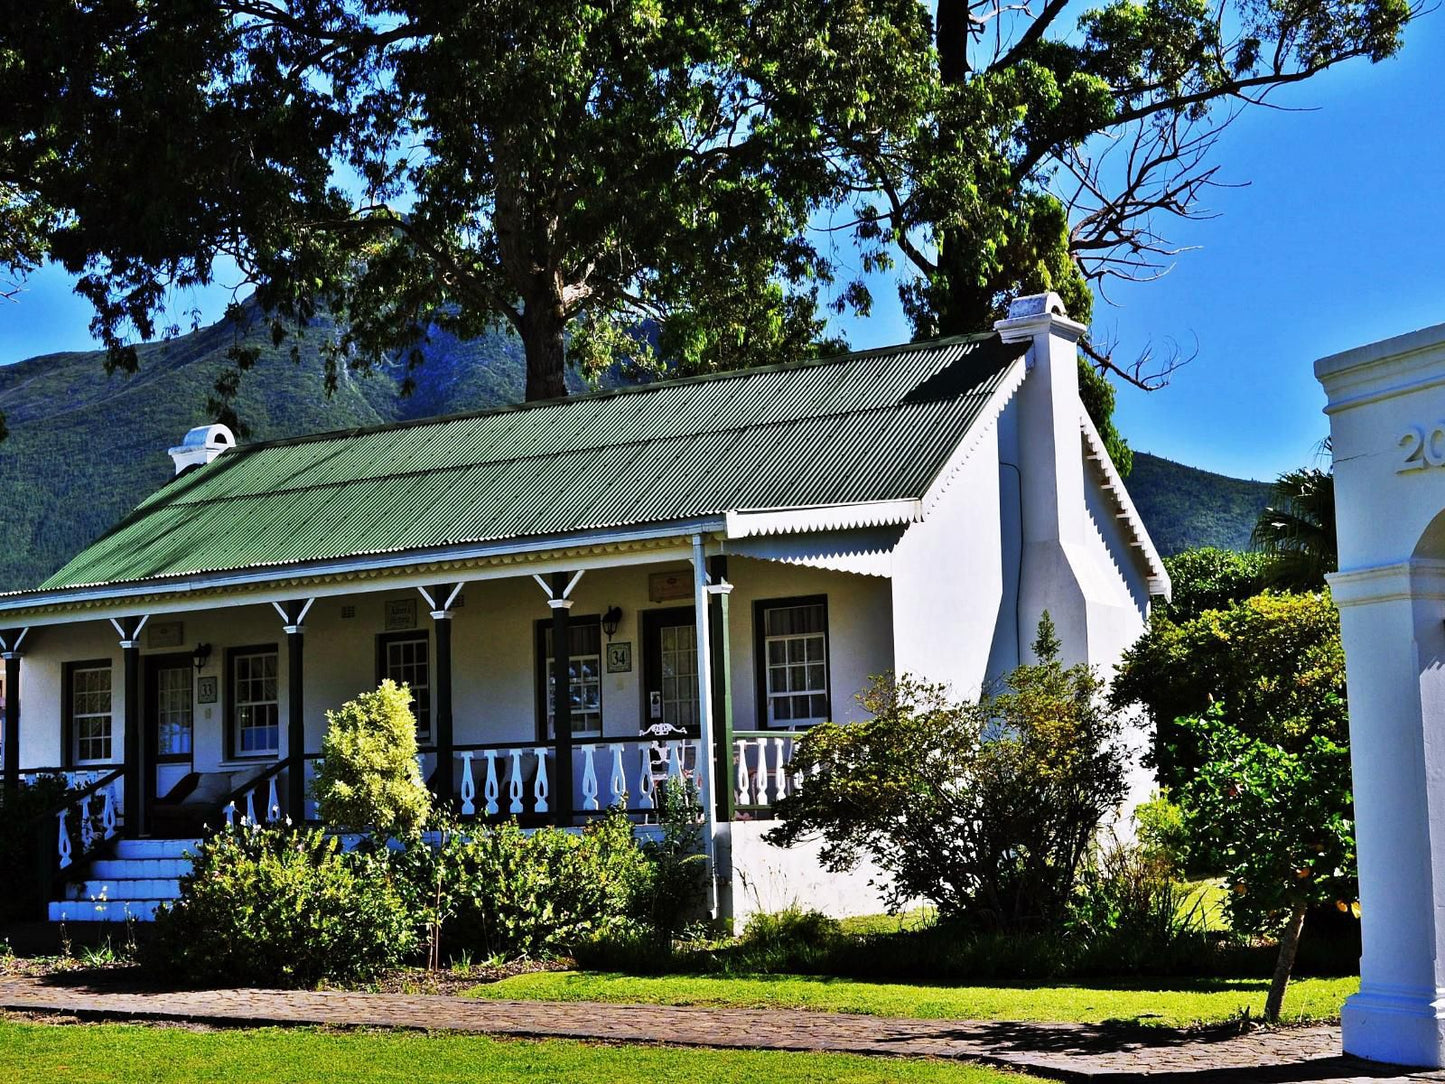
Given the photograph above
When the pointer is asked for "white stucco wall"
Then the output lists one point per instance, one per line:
(767, 878)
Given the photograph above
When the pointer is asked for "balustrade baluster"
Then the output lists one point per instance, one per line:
(543, 786)
(273, 803)
(780, 780)
(87, 830)
(64, 841)
(674, 760)
(514, 785)
(617, 784)
(646, 798)
(494, 789)
(230, 812)
(250, 817)
(469, 786)
(741, 781)
(107, 811)
(590, 789)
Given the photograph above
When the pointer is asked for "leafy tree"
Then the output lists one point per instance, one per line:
(1297, 533)
(569, 166)
(986, 808)
(1210, 579)
(1273, 662)
(1279, 823)
(368, 778)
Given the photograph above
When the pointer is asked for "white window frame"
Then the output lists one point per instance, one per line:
(238, 729)
(78, 717)
(769, 668)
(421, 704)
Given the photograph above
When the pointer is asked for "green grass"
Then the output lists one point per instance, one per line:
(1168, 1002)
(126, 1054)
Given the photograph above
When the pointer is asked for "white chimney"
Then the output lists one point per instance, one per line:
(1051, 467)
(201, 445)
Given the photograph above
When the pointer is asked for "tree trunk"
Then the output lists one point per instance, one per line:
(543, 329)
(1288, 946)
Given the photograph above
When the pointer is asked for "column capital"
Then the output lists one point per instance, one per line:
(293, 630)
(560, 603)
(441, 615)
(8, 655)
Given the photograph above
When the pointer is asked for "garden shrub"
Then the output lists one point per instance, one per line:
(986, 809)
(521, 894)
(281, 906)
(28, 843)
(368, 778)
(1162, 832)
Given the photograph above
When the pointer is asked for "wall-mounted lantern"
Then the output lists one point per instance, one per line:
(200, 655)
(610, 620)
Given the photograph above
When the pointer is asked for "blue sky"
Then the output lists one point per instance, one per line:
(1336, 238)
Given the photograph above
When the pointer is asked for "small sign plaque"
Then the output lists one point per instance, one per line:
(400, 614)
(665, 586)
(206, 690)
(619, 657)
(165, 633)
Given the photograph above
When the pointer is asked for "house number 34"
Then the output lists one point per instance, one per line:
(1420, 449)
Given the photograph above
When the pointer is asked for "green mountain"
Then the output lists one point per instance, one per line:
(84, 448)
(1185, 507)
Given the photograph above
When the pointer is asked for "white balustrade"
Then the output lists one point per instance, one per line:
(761, 773)
(107, 812)
(469, 786)
(273, 803)
(64, 841)
(230, 812)
(617, 782)
(250, 817)
(494, 789)
(541, 787)
(648, 794)
(590, 788)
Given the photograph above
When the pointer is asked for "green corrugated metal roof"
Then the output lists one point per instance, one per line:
(863, 427)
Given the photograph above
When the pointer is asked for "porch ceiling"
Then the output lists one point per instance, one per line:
(863, 428)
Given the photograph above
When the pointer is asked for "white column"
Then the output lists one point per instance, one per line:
(1391, 620)
(704, 715)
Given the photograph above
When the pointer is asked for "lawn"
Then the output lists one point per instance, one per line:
(1167, 1002)
(126, 1054)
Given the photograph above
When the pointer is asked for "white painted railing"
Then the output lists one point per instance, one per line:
(760, 767)
(517, 780)
(93, 813)
(251, 798)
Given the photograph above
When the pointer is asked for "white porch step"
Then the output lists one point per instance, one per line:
(136, 889)
(137, 869)
(155, 848)
(143, 874)
(108, 911)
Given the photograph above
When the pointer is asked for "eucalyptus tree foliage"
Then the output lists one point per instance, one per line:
(576, 169)
(580, 169)
(1063, 142)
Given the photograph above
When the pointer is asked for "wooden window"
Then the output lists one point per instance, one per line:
(584, 673)
(791, 652)
(255, 706)
(405, 657)
(88, 712)
(174, 700)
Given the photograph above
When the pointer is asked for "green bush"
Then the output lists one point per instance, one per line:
(368, 778)
(28, 841)
(521, 894)
(986, 809)
(1163, 832)
(280, 906)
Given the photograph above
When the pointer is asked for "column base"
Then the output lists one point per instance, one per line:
(1398, 1025)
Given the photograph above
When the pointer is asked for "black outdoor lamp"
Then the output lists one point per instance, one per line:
(200, 655)
(610, 620)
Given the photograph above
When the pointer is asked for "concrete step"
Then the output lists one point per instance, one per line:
(131, 869)
(155, 848)
(107, 911)
(130, 889)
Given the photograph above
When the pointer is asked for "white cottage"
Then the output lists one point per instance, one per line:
(715, 563)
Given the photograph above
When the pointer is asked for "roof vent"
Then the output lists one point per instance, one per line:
(1049, 304)
(201, 445)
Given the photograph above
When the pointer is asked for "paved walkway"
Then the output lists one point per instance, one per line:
(1063, 1051)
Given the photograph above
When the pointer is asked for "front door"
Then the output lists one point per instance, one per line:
(170, 719)
(669, 668)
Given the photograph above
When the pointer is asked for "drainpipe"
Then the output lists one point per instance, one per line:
(705, 717)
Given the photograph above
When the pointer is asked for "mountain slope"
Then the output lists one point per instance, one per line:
(84, 448)
(1185, 507)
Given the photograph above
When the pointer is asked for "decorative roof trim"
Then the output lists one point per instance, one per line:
(336, 577)
(1113, 485)
(750, 523)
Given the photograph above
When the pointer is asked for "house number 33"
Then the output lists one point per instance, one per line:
(1420, 449)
